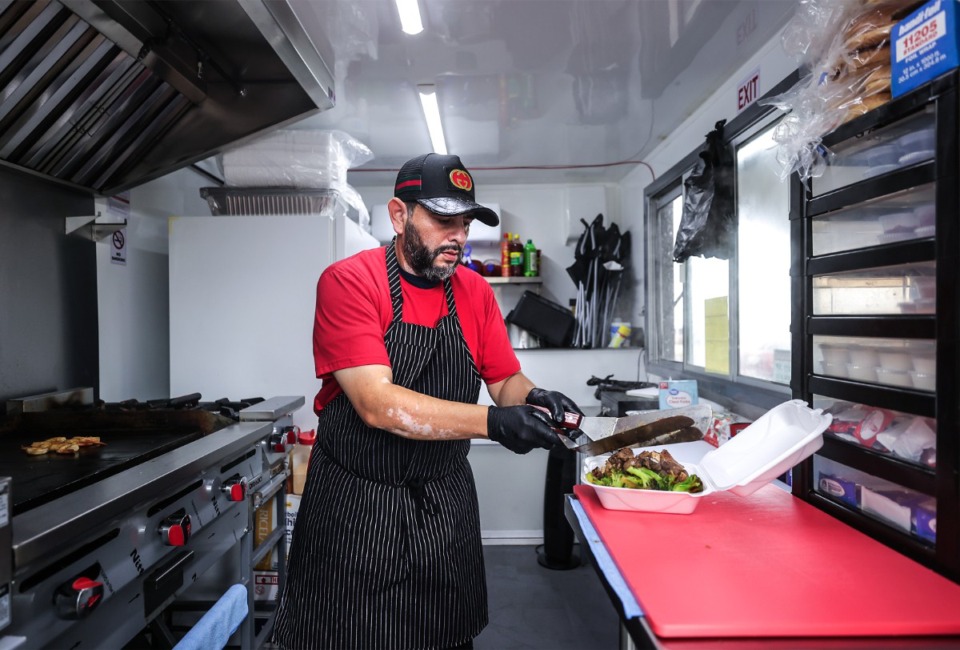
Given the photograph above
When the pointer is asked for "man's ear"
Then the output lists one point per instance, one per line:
(397, 210)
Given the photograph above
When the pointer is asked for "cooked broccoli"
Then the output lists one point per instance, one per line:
(649, 479)
(646, 471)
(691, 484)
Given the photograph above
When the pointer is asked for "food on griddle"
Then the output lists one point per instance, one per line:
(648, 470)
(62, 445)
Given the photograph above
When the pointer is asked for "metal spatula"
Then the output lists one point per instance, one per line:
(603, 434)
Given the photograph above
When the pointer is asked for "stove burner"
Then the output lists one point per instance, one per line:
(223, 406)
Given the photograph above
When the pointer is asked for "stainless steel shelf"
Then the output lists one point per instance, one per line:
(502, 280)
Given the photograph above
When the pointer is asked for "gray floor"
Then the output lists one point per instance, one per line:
(532, 607)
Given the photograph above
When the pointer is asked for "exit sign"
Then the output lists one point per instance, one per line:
(748, 90)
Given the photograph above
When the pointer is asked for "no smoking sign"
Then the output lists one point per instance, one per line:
(118, 247)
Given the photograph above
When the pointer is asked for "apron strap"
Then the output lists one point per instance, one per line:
(396, 294)
(393, 279)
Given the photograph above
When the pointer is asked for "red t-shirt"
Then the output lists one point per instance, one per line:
(354, 310)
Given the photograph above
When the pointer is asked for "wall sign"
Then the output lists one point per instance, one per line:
(748, 90)
(118, 247)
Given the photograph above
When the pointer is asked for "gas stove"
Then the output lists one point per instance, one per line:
(105, 539)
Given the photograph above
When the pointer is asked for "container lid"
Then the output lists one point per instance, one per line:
(778, 440)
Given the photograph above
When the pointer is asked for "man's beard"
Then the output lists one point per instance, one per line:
(421, 259)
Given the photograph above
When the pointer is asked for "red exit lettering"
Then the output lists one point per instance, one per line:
(747, 92)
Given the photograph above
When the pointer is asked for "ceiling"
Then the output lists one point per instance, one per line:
(530, 91)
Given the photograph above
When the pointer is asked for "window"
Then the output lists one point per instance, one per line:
(725, 321)
(669, 298)
(763, 261)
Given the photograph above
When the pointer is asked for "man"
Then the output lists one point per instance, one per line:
(386, 552)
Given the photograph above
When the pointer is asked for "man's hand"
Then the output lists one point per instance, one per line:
(520, 428)
(556, 403)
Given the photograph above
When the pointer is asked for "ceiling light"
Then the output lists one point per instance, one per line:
(410, 20)
(431, 112)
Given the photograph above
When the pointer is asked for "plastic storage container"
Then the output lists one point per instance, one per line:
(544, 318)
(778, 440)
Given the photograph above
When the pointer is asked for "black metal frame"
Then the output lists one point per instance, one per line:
(944, 327)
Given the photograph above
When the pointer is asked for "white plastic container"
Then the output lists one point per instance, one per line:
(864, 356)
(923, 381)
(895, 361)
(894, 377)
(925, 364)
(862, 373)
(834, 353)
(778, 440)
(835, 369)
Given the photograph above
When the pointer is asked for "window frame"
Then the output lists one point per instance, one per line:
(746, 395)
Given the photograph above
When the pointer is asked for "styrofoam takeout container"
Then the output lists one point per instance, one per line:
(777, 441)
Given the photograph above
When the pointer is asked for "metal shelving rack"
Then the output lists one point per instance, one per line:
(943, 327)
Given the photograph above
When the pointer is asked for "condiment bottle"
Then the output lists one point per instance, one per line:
(530, 260)
(505, 256)
(516, 257)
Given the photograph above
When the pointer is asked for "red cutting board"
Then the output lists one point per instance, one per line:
(769, 565)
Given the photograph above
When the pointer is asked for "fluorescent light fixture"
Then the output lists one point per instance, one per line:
(410, 20)
(431, 112)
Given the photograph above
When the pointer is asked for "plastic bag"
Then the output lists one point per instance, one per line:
(708, 222)
(295, 158)
(843, 49)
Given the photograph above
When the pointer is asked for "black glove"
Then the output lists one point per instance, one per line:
(520, 428)
(556, 403)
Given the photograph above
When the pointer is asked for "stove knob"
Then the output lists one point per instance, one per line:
(282, 441)
(175, 529)
(293, 433)
(77, 598)
(235, 489)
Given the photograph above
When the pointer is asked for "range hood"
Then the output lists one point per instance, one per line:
(108, 94)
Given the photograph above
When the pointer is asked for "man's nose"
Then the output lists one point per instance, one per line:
(459, 228)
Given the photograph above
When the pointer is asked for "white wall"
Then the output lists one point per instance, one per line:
(537, 212)
(133, 307)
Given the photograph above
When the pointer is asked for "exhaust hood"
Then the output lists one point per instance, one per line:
(108, 94)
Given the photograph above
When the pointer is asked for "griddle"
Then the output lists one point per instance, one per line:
(131, 439)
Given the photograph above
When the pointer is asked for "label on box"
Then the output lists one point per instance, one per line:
(924, 45)
(265, 585)
(925, 519)
(839, 488)
(265, 520)
(293, 507)
(678, 393)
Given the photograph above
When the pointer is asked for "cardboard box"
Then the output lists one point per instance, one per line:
(924, 45)
(925, 519)
(265, 520)
(677, 393)
(838, 488)
(300, 461)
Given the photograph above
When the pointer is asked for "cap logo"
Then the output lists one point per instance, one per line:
(459, 178)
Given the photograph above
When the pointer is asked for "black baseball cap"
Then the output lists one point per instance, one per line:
(442, 185)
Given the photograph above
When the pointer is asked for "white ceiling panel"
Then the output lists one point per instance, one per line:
(530, 90)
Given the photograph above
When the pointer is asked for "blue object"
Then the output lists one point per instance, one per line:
(924, 45)
(214, 628)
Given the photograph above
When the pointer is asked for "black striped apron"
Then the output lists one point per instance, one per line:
(386, 551)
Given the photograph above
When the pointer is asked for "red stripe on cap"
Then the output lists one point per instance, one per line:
(404, 184)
